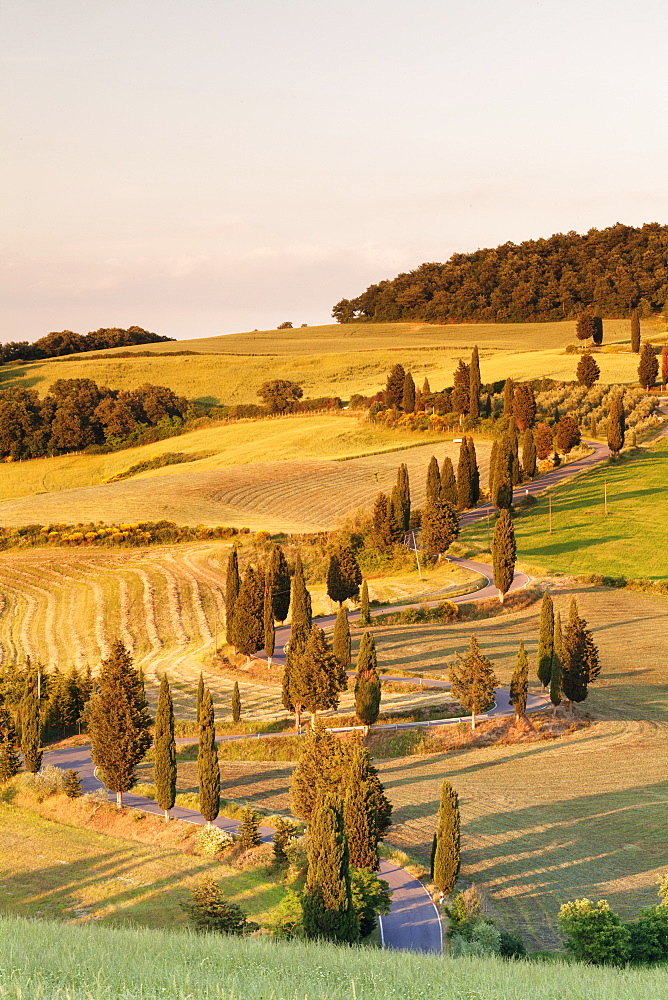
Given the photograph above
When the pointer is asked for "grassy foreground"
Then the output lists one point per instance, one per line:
(41, 960)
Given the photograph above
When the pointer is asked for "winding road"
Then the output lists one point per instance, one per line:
(413, 922)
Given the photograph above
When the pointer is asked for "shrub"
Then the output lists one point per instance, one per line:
(594, 933)
(212, 841)
(511, 945)
(49, 781)
(484, 939)
(371, 896)
(649, 935)
(249, 835)
(289, 916)
(286, 832)
(209, 911)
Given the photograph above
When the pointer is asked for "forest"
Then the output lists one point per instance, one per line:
(56, 345)
(610, 271)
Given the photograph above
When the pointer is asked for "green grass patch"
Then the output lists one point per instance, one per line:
(159, 462)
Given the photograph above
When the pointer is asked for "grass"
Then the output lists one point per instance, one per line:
(629, 541)
(43, 960)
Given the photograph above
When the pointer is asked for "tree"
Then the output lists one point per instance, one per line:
(232, 587)
(504, 553)
(519, 685)
(432, 856)
(9, 758)
(249, 829)
(461, 392)
(516, 468)
(448, 482)
(317, 679)
(394, 388)
(464, 485)
(474, 472)
(164, 748)
(585, 328)
(208, 769)
(542, 435)
(447, 856)
(408, 394)
(580, 657)
(249, 614)
(31, 731)
(268, 624)
(118, 722)
(341, 638)
(440, 526)
(616, 426)
(236, 703)
(73, 786)
(568, 433)
(404, 489)
(278, 581)
(359, 812)
(280, 395)
(371, 896)
(508, 397)
(524, 405)
(367, 683)
(648, 366)
(319, 770)
(285, 835)
(501, 472)
(433, 489)
(664, 364)
(474, 384)
(200, 696)
(473, 681)
(545, 641)
(598, 331)
(344, 575)
(635, 331)
(529, 453)
(587, 371)
(327, 900)
(365, 611)
(300, 628)
(557, 674)
(594, 933)
(381, 522)
(396, 510)
(210, 911)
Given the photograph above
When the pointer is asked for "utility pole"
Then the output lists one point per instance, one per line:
(550, 502)
(417, 556)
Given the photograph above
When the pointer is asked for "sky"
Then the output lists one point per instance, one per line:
(205, 167)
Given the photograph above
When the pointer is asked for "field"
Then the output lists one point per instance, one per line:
(629, 541)
(339, 360)
(290, 495)
(46, 960)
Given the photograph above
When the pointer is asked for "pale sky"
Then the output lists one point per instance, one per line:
(206, 166)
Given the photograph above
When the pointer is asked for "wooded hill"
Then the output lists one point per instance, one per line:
(610, 270)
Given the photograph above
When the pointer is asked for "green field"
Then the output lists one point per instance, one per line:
(629, 541)
(44, 959)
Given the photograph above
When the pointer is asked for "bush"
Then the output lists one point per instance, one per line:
(289, 916)
(484, 939)
(49, 781)
(249, 835)
(212, 841)
(371, 896)
(286, 832)
(594, 933)
(511, 945)
(649, 935)
(72, 784)
(209, 911)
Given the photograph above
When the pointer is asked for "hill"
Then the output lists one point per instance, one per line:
(610, 270)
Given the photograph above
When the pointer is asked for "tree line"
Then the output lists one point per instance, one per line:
(55, 345)
(611, 271)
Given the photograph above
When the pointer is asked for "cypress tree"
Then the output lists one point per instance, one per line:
(404, 488)
(524, 405)
(426, 388)
(464, 490)
(635, 331)
(365, 611)
(31, 732)
(208, 769)
(397, 515)
(232, 587)
(514, 446)
(433, 489)
(585, 328)
(300, 628)
(529, 453)
(474, 384)
(341, 637)
(380, 520)
(616, 426)
(545, 641)
(408, 395)
(557, 677)
(504, 553)
(587, 371)
(580, 661)
(164, 747)
(249, 614)
(501, 473)
(236, 702)
(319, 770)
(488, 406)
(249, 829)
(359, 812)
(440, 526)
(268, 623)
(367, 683)
(317, 679)
(118, 722)
(664, 364)
(508, 397)
(9, 758)
(447, 857)
(327, 899)
(648, 366)
(473, 681)
(394, 390)
(519, 685)
(200, 696)
(461, 392)
(73, 786)
(278, 581)
(448, 482)
(344, 575)
(474, 472)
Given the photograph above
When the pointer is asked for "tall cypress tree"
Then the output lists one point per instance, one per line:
(380, 521)
(508, 397)
(300, 628)
(545, 641)
(278, 581)
(232, 587)
(648, 366)
(504, 553)
(367, 682)
(433, 489)
(635, 331)
(447, 856)
(31, 731)
(327, 900)
(164, 747)
(9, 758)
(118, 722)
(557, 675)
(514, 446)
(529, 453)
(501, 473)
(236, 703)
(474, 384)
(580, 661)
(341, 638)
(397, 508)
(461, 391)
(519, 685)
(365, 610)
(317, 679)
(320, 769)
(200, 696)
(408, 395)
(394, 390)
(440, 526)
(359, 812)
(474, 472)
(208, 769)
(464, 485)
(403, 486)
(448, 482)
(616, 426)
(344, 575)
(268, 624)
(249, 614)
(473, 680)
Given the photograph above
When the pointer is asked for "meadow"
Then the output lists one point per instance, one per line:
(44, 959)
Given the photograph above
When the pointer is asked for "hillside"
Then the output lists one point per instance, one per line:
(610, 270)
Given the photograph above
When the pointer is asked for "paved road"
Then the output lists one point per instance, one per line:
(413, 923)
